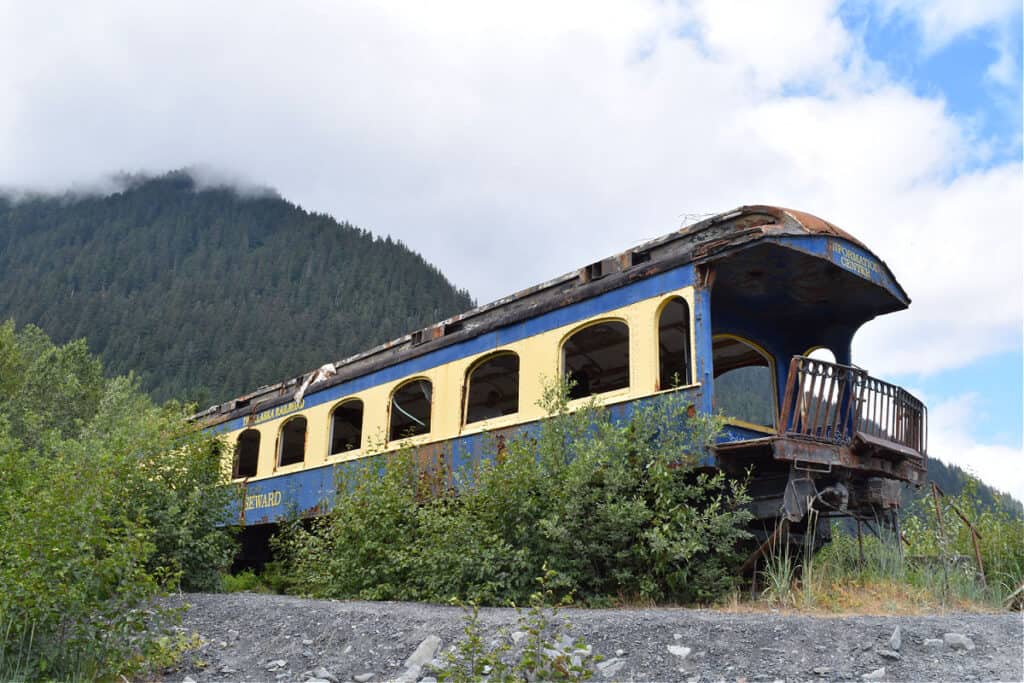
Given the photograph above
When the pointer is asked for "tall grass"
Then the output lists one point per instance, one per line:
(935, 569)
(779, 573)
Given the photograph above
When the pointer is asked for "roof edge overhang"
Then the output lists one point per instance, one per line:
(700, 242)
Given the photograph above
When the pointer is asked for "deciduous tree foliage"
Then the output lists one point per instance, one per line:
(105, 500)
(617, 509)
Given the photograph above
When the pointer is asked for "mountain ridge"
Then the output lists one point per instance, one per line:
(205, 292)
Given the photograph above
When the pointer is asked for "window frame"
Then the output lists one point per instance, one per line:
(821, 347)
(391, 400)
(629, 355)
(691, 380)
(236, 457)
(763, 352)
(467, 386)
(280, 442)
(330, 426)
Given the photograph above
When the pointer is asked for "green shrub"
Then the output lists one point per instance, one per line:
(106, 500)
(1001, 541)
(244, 581)
(617, 509)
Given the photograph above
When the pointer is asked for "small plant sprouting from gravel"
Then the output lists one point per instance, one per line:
(546, 653)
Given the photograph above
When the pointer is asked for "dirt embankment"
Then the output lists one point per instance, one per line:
(250, 637)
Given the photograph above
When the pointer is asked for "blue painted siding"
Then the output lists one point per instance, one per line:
(315, 488)
(655, 285)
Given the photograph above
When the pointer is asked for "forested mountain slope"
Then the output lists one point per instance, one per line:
(205, 293)
(952, 480)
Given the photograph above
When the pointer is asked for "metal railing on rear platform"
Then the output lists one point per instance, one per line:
(831, 402)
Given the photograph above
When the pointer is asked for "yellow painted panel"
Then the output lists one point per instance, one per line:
(539, 363)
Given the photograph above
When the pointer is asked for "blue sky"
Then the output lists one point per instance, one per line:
(509, 143)
(957, 72)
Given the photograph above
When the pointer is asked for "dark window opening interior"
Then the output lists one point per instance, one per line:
(674, 345)
(410, 410)
(247, 454)
(493, 388)
(744, 387)
(596, 359)
(293, 441)
(347, 427)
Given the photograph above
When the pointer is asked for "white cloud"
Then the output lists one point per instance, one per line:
(943, 21)
(950, 440)
(779, 41)
(510, 146)
(1005, 71)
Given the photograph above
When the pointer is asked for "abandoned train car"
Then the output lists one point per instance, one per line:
(725, 311)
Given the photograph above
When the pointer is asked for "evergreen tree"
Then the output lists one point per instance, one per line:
(206, 294)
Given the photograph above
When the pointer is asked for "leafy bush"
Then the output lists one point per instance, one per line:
(616, 508)
(244, 581)
(106, 499)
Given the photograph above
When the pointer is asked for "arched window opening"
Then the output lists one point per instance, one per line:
(596, 359)
(823, 354)
(744, 386)
(247, 454)
(347, 427)
(410, 409)
(674, 344)
(493, 388)
(293, 442)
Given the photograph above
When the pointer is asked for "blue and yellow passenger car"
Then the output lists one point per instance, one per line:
(726, 311)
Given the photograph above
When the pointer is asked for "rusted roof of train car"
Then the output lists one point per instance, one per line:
(695, 243)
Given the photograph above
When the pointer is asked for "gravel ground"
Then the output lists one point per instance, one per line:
(250, 637)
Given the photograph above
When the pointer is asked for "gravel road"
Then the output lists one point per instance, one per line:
(251, 637)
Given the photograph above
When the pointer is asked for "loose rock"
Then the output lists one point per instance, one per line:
(889, 654)
(362, 678)
(958, 641)
(896, 639)
(876, 675)
(679, 651)
(426, 651)
(275, 664)
(933, 642)
(321, 672)
(610, 667)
